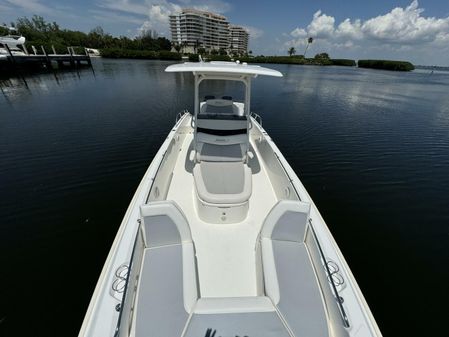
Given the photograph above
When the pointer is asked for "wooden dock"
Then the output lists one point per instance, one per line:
(61, 60)
(45, 60)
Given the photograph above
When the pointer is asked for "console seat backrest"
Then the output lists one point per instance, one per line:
(221, 114)
(216, 148)
(211, 123)
(168, 279)
(219, 106)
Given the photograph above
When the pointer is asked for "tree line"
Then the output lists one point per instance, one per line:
(39, 32)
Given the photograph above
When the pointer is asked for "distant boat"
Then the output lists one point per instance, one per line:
(14, 43)
(221, 237)
(93, 52)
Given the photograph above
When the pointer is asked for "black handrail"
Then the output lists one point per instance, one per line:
(122, 303)
(334, 287)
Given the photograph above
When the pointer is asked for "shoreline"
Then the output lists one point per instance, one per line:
(318, 60)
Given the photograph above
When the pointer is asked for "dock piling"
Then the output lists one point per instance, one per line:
(43, 59)
(72, 63)
(48, 61)
(13, 61)
(89, 60)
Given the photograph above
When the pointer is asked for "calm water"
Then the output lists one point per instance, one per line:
(371, 147)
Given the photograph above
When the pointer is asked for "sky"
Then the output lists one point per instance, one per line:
(416, 31)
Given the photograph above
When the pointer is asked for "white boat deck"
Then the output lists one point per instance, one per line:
(267, 275)
(225, 252)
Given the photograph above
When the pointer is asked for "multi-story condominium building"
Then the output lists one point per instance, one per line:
(192, 29)
(239, 40)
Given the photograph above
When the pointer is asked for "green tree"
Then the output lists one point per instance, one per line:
(323, 58)
(291, 51)
(39, 32)
(164, 43)
(309, 42)
(4, 31)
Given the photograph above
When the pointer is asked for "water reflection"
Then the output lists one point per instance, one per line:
(372, 148)
(18, 89)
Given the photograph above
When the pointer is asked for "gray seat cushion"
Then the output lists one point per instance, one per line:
(290, 279)
(221, 153)
(221, 148)
(163, 223)
(160, 303)
(300, 300)
(223, 182)
(167, 287)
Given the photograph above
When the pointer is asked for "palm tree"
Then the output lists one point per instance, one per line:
(197, 43)
(184, 46)
(291, 51)
(309, 41)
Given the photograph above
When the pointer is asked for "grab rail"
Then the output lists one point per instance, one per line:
(119, 307)
(121, 275)
(180, 114)
(330, 278)
(257, 118)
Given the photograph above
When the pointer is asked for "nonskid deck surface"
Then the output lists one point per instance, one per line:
(225, 252)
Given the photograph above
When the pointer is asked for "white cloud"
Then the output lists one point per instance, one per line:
(154, 14)
(114, 17)
(158, 18)
(299, 33)
(254, 33)
(33, 6)
(349, 30)
(322, 25)
(401, 30)
(405, 26)
(124, 6)
(215, 6)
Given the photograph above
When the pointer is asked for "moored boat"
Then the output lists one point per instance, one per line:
(14, 43)
(221, 237)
